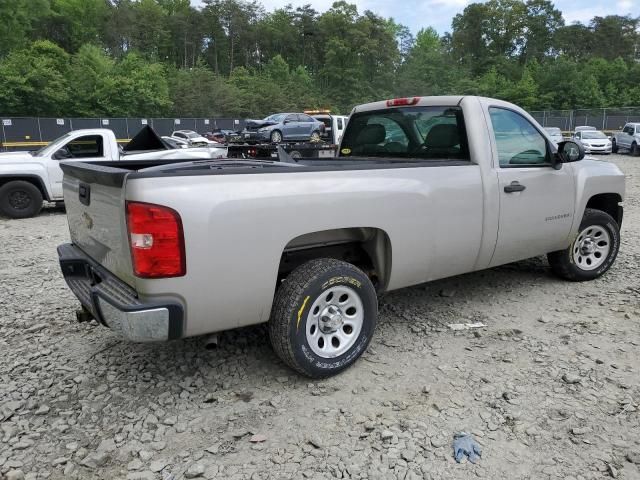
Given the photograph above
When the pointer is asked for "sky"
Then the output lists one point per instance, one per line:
(417, 14)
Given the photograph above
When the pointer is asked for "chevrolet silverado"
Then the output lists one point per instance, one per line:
(423, 188)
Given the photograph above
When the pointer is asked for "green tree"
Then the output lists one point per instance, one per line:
(35, 81)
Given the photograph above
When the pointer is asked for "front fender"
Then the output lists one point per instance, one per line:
(594, 177)
(28, 171)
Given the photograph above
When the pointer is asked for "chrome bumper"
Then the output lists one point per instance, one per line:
(116, 305)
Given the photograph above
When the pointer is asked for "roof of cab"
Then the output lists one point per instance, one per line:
(445, 100)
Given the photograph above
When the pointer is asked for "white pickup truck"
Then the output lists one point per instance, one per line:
(424, 188)
(28, 178)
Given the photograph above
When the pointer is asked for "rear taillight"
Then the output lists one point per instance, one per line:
(397, 102)
(156, 239)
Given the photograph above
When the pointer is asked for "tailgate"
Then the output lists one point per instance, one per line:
(94, 201)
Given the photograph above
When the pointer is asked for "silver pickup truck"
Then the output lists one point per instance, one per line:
(628, 139)
(423, 188)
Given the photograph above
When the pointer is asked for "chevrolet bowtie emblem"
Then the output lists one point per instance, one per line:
(88, 221)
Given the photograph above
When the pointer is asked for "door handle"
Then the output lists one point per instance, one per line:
(514, 187)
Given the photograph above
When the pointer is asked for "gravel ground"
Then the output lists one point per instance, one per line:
(550, 388)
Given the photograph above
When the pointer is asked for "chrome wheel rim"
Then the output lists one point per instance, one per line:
(276, 137)
(334, 321)
(591, 248)
(315, 136)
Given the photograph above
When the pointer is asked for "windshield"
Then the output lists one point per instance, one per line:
(52, 146)
(192, 135)
(277, 117)
(436, 133)
(593, 135)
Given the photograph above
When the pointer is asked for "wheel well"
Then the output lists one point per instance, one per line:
(608, 203)
(365, 247)
(26, 178)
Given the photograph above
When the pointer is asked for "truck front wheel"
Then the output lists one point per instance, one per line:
(323, 317)
(635, 150)
(20, 199)
(614, 146)
(593, 250)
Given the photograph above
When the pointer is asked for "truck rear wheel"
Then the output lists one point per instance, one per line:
(323, 317)
(20, 199)
(593, 250)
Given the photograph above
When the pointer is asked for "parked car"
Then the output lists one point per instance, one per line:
(220, 136)
(175, 142)
(194, 139)
(555, 133)
(628, 138)
(283, 127)
(582, 128)
(334, 125)
(594, 141)
(28, 178)
(170, 251)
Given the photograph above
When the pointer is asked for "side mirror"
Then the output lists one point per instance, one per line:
(61, 154)
(570, 151)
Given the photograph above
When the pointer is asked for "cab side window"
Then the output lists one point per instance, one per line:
(340, 124)
(88, 146)
(518, 142)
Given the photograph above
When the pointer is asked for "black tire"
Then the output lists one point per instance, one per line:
(20, 199)
(614, 146)
(635, 150)
(274, 135)
(292, 309)
(563, 263)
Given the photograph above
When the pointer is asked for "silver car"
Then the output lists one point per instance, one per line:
(283, 126)
(555, 133)
(594, 141)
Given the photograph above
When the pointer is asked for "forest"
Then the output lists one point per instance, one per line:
(148, 58)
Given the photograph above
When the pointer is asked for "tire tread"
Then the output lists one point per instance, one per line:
(283, 307)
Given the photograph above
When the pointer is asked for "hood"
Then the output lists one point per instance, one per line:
(12, 156)
(19, 158)
(255, 124)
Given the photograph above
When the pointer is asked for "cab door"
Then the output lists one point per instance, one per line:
(83, 148)
(537, 202)
(290, 127)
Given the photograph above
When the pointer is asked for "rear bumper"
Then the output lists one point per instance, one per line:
(116, 305)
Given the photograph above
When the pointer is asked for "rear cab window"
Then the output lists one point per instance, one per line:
(413, 132)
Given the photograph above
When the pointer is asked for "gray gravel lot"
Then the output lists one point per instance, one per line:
(550, 388)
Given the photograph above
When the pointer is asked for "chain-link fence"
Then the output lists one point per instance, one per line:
(29, 133)
(606, 119)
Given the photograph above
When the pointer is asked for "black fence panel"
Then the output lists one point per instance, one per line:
(119, 127)
(134, 125)
(52, 128)
(204, 125)
(82, 123)
(230, 123)
(164, 126)
(185, 123)
(21, 129)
